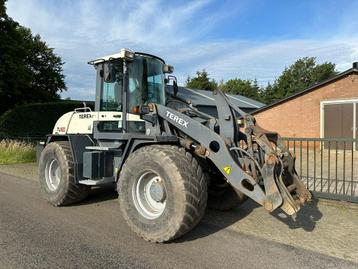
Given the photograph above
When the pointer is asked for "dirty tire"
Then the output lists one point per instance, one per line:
(67, 192)
(223, 197)
(185, 187)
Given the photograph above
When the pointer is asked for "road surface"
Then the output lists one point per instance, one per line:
(34, 234)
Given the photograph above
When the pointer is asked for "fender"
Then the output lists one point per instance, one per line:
(78, 145)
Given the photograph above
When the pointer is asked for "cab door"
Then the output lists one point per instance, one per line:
(110, 104)
(110, 114)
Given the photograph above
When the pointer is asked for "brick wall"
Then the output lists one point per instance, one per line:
(300, 116)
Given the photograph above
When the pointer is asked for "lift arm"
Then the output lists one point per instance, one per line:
(255, 162)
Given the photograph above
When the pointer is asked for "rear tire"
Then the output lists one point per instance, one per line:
(223, 197)
(179, 192)
(56, 175)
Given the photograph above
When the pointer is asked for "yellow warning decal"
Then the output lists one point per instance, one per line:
(227, 170)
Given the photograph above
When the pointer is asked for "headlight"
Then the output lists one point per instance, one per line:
(168, 69)
(127, 54)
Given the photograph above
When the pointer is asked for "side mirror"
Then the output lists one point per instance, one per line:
(175, 84)
(109, 72)
(175, 88)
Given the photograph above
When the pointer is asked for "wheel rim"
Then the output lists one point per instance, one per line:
(53, 174)
(149, 195)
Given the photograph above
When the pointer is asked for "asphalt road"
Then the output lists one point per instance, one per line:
(34, 234)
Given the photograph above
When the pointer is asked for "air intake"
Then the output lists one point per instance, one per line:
(355, 65)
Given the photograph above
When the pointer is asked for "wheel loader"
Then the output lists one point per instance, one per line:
(167, 159)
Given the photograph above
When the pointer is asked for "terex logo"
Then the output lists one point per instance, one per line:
(175, 118)
(85, 116)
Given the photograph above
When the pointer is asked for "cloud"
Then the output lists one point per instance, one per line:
(180, 32)
(265, 61)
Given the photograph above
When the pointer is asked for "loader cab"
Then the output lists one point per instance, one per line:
(126, 81)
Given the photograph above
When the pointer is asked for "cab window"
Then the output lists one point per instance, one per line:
(111, 96)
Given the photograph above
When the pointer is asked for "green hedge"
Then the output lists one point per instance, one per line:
(34, 120)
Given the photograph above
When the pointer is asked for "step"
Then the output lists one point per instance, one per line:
(103, 148)
(95, 182)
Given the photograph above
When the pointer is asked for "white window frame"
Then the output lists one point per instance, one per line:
(337, 102)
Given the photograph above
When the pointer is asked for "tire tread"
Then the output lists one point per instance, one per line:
(195, 188)
(73, 192)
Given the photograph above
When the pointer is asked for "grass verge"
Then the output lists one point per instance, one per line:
(12, 151)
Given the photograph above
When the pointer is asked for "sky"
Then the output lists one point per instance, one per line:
(247, 39)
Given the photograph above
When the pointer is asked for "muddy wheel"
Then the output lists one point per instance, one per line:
(162, 192)
(56, 175)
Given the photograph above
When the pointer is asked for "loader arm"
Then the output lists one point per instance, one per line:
(255, 162)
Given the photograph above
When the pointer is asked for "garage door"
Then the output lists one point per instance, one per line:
(338, 123)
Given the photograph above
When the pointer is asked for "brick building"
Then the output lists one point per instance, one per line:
(328, 109)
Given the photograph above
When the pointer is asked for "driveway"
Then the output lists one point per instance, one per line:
(93, 234)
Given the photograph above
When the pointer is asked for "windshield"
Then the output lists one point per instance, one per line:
(146, 81)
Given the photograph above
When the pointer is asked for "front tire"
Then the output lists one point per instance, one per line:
(162, 192)
(56, 175)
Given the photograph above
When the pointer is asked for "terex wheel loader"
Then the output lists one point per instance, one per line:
(167, 158)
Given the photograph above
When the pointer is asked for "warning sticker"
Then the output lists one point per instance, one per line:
(227, 170)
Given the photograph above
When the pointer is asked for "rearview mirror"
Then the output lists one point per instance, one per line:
(175, 88)
(109, 72)
(175, 84)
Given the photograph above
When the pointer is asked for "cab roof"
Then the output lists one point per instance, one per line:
(123, 54)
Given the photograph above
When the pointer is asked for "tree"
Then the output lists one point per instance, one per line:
(304, 73)
(2, 8)
(268, 95)
(201, 81)
(248, 88)
(30, 71)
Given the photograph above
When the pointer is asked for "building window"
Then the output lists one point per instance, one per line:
(339, 120)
